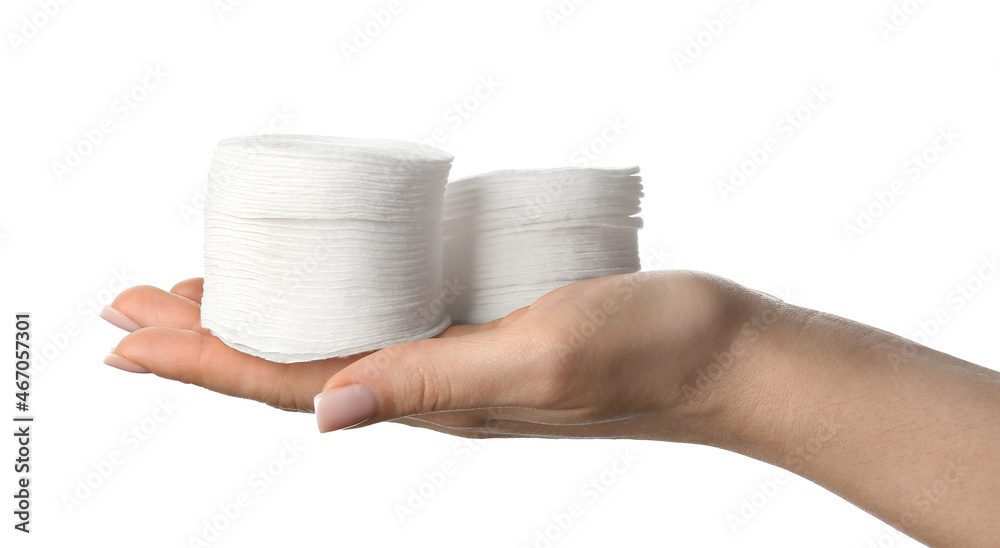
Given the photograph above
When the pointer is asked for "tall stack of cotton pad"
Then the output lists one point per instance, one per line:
(319, 247)
(511, 236)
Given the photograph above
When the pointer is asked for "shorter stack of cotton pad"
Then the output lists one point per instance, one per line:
(320, 247)
(511, 236)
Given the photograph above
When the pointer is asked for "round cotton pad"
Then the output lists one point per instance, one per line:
(319, 247)
(511, 236)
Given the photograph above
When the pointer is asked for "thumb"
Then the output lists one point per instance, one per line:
(495, 368)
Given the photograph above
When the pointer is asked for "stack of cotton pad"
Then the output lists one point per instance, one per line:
(319, 247)
(511, 236)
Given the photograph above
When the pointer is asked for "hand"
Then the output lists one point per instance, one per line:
(905, 432)
(618, 357)
(167, 339)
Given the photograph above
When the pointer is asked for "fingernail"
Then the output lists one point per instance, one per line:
(117, 319)
(344, 407)
(114, 360)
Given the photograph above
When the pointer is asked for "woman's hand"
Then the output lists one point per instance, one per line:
(167, 339)
(906, 433)
(647, 356)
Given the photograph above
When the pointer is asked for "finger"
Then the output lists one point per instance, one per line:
(202, 359)
(480, 418)
(512, 316)
(617, 429)
(513, 428)
(148, 306)
(191, 288)
(462, 330)
(496, 368)
(418, 423)
(459, 330)
(468, 433)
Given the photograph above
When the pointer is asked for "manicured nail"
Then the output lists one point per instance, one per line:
(117, 319)
(114, 360)
(344, 407)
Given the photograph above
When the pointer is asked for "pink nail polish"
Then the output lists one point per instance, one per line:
(114, 360)
(344, 407)
(117, 319)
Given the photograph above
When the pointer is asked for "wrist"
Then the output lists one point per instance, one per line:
(733, 380)
(804, 381)
(760, 394)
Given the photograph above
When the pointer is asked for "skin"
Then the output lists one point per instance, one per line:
(909, 434)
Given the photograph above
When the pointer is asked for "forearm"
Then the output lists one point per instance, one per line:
(905, 432)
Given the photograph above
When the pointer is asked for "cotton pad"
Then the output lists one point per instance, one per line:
(319, 247)
(511, 236)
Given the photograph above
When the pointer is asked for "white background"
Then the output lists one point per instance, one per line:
(131, 207)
